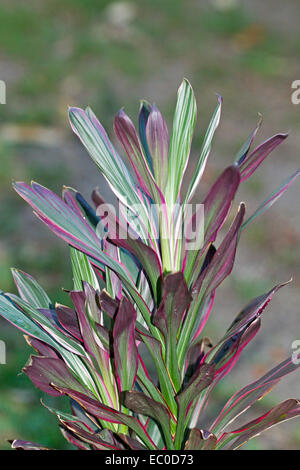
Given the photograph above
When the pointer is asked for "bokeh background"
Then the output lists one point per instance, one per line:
(109, 54)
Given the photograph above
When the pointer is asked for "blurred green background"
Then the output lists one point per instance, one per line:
(110, 54)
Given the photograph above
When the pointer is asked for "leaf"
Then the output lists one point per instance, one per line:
(92, 439)
(70, 437)
(45, 371)
(86, 327)
(141, 404)
(272, 198)
(224, 359)
(166, 386)
(158, 144)
(145, 255)
(247, 396)
(222, 262)
(75, 231)
(205, 151)
(215, 273)
(68, 319)
(175, 299)
(108, 304)
(125, 350)
(11, 312)
(93, 136)
(168, 317)
(124, 237)
(199, 439)
(145, 109)
(181, 139)
(61, 343)
(42, 348)
(61, 340)
(282, 412)
(201, 379)
(216, 207)
(127, 135)
(252, 311)
(244, 150)
(82, 270)
(252, 161)
(30, 290)
(105, 413)
(27, 445)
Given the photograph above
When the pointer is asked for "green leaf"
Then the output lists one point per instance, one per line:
(141, 404)
(82, 270)
(205, 151)
(181, 139)
(29, 289)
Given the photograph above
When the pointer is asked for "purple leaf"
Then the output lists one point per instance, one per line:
(105, 413)
(175, 299)
(125, 350)
(126, 133)
(222, 263)
(108, 304)
(90, 339)
(42, 348)
(238, 437)
(252, 161)
(158, 144)
(186, 399)
(248, 395)
(199, 439)
(145, 110)
(142, 404)
(216, 207)
(63, 221)
(168, 318)
(27, 445)
(67, 317)
(90, 438)
(45, 372)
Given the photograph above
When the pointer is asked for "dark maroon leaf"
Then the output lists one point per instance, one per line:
(199, 439)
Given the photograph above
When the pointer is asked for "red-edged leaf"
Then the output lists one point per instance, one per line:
(142, 404)
(18, 444)
(42, 348)
(216, 207)
(201, 379)
(222, 262)
(168, 318)
(45, 371)
(199, 439)
(67, 317)
(286, 410)
(158, 143)
(249, 164)
(105, 413)
(125, 350)
(248, 395)
(175, 300)
(127, 135)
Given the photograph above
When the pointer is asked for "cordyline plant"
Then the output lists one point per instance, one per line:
(147, 294)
